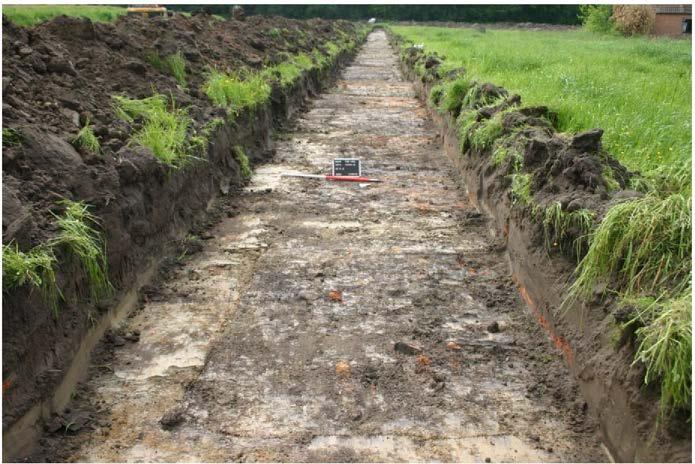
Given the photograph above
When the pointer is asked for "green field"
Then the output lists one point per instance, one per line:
(29, 15)
(637, 89)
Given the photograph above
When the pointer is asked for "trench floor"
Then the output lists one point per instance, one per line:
(276, 341)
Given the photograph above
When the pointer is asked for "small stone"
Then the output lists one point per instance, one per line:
(72, 115)
(25, 51)
(54, 425)
(407, 348)
(118, 341)
(61, 66)
(453, 346)
(172, 419)
(342, 368)
(138, 67)
(69, 102)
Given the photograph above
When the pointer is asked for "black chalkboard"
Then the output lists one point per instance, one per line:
(347, 167)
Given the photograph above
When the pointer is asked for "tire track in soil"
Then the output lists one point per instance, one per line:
(247, 358)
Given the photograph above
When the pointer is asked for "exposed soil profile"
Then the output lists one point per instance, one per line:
(322, 321)
(60, 76)
(285, 319)
(569, 171)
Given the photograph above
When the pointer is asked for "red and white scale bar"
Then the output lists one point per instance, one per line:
(333, 178)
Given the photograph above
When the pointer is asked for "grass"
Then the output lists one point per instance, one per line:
(78, 235)
(290, 70)
(243, 160)
(86, 140)
(590, 80)
(29, 15)
(11, 137)
(235, 92)
(35, 268)
(164, 131)
(173, 64)
(502, 154)
(521, 188)
(558, 223)
(641, 246)
(449, 95)
(486, 133)
(665, 347)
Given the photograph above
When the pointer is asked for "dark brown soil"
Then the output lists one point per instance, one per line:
(63, 72)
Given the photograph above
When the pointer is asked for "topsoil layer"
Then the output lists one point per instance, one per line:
(63, 73)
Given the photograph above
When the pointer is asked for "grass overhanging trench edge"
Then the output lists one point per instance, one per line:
(640, 248)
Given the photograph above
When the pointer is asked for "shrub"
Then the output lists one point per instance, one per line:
(596, 18)
(634, 19)
(35, 268)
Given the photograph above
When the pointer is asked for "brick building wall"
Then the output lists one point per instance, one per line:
(669, 19)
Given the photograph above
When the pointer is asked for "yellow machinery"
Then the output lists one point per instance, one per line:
(147, 10)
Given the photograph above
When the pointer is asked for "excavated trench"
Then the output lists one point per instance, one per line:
(335, 321)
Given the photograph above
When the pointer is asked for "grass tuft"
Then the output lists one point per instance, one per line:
(521, 188)
(35, 268)
(86, 140)
(243, 160)
(234, 92)
(173, 64)
(163, 131)
(665, 348)
(466, 121)
(486, 133)
(450, 95)
(289, 71)
(558, 224)
(11, 137)
(642, 246)
(177, 67)
(77, 234)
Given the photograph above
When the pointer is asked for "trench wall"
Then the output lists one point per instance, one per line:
(155, 208)
(611, 385)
